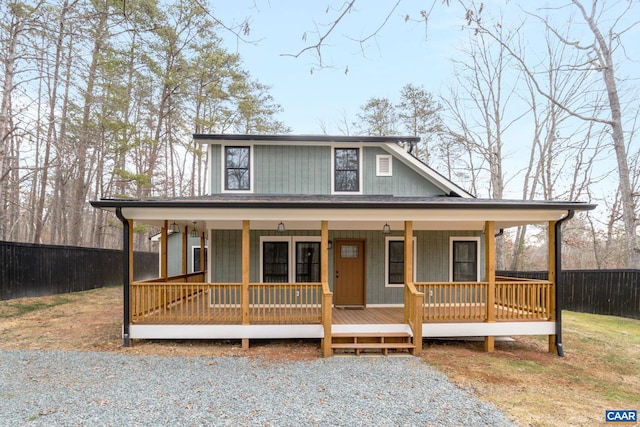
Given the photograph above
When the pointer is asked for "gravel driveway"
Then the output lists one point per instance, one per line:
(58, 388)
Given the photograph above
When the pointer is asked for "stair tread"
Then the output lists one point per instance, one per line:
(373, 345)
(369, 334)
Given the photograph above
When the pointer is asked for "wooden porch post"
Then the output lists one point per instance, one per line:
(164, 251)
(490, 277)
(202, 258)
(245, 278)
(416, 309)
(552, 278)
(185, 248)
(327, 351)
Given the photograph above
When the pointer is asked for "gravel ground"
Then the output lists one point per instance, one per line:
(58, 388)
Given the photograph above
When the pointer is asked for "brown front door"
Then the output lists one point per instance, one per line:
(348, 285)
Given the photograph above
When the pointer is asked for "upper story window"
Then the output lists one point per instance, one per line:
(237, 168)
(346, 170)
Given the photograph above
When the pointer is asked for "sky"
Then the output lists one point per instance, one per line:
(316, 98)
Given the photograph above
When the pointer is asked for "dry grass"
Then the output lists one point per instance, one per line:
(601, 369)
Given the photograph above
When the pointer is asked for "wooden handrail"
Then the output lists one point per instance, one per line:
(327, 312)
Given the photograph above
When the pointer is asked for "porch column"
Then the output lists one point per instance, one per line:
(415, 299)
(185, 248)
(490, 277)
(164, 250)
(327, 351)
(202, 257)
(245, 278)
(552, 278)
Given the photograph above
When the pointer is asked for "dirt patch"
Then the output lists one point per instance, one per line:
(601, 369)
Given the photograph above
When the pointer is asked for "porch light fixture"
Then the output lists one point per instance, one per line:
(281, 228)
(194, 232)
(174, 228)
(386, 229)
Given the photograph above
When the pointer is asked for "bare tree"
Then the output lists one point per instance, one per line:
(598, 53)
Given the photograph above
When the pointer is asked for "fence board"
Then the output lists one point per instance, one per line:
(608, 292)
(30, 270)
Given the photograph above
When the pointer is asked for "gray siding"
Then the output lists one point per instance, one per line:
(432, 263)
(280, 169)
(215, 163)
(174, 261)
(286, 169)
(404, 182)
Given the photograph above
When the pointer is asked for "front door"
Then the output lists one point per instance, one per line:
(348, 285)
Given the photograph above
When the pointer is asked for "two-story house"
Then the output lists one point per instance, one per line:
(306, 238)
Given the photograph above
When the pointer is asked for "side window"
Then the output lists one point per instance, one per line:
(346, 170)
(237, 165)
(464, 260)
(196, 259)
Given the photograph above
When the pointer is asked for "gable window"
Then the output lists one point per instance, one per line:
(346, 164)
(394, 261)
(237, 168)
(289, 259)
(464, 256)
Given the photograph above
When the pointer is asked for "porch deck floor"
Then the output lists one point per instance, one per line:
(367, 316)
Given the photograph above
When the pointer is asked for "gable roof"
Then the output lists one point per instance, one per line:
(388, 143)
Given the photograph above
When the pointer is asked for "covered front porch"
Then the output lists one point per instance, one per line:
(234, 299)
(189, 306)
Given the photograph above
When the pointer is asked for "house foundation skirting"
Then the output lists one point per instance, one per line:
(225, 331)
(441, 330)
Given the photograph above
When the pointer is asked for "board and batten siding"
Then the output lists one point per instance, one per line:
(298, 169)
(403, 182)
(432, 258)
(280, 169)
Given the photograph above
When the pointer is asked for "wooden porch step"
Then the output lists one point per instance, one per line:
(380, 341)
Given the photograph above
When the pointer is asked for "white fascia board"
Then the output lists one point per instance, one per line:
(424, 170)
(524, 216)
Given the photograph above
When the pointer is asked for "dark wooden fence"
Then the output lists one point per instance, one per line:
(611, 292)
(28, 270)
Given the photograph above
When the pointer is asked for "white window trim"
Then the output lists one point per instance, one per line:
(193, 256)
(223, 168)
(387, 239)
(464, 239)
(333, 168)
(379, 157)
(264, 239)
(292, 240)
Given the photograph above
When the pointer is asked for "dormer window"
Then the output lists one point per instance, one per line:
(237, 168)
(346, 170)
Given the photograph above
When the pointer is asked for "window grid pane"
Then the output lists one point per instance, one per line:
(396, 262)
(237, 164)
(275, 262)
(307, 262)
(346, 173)
(465, 261)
